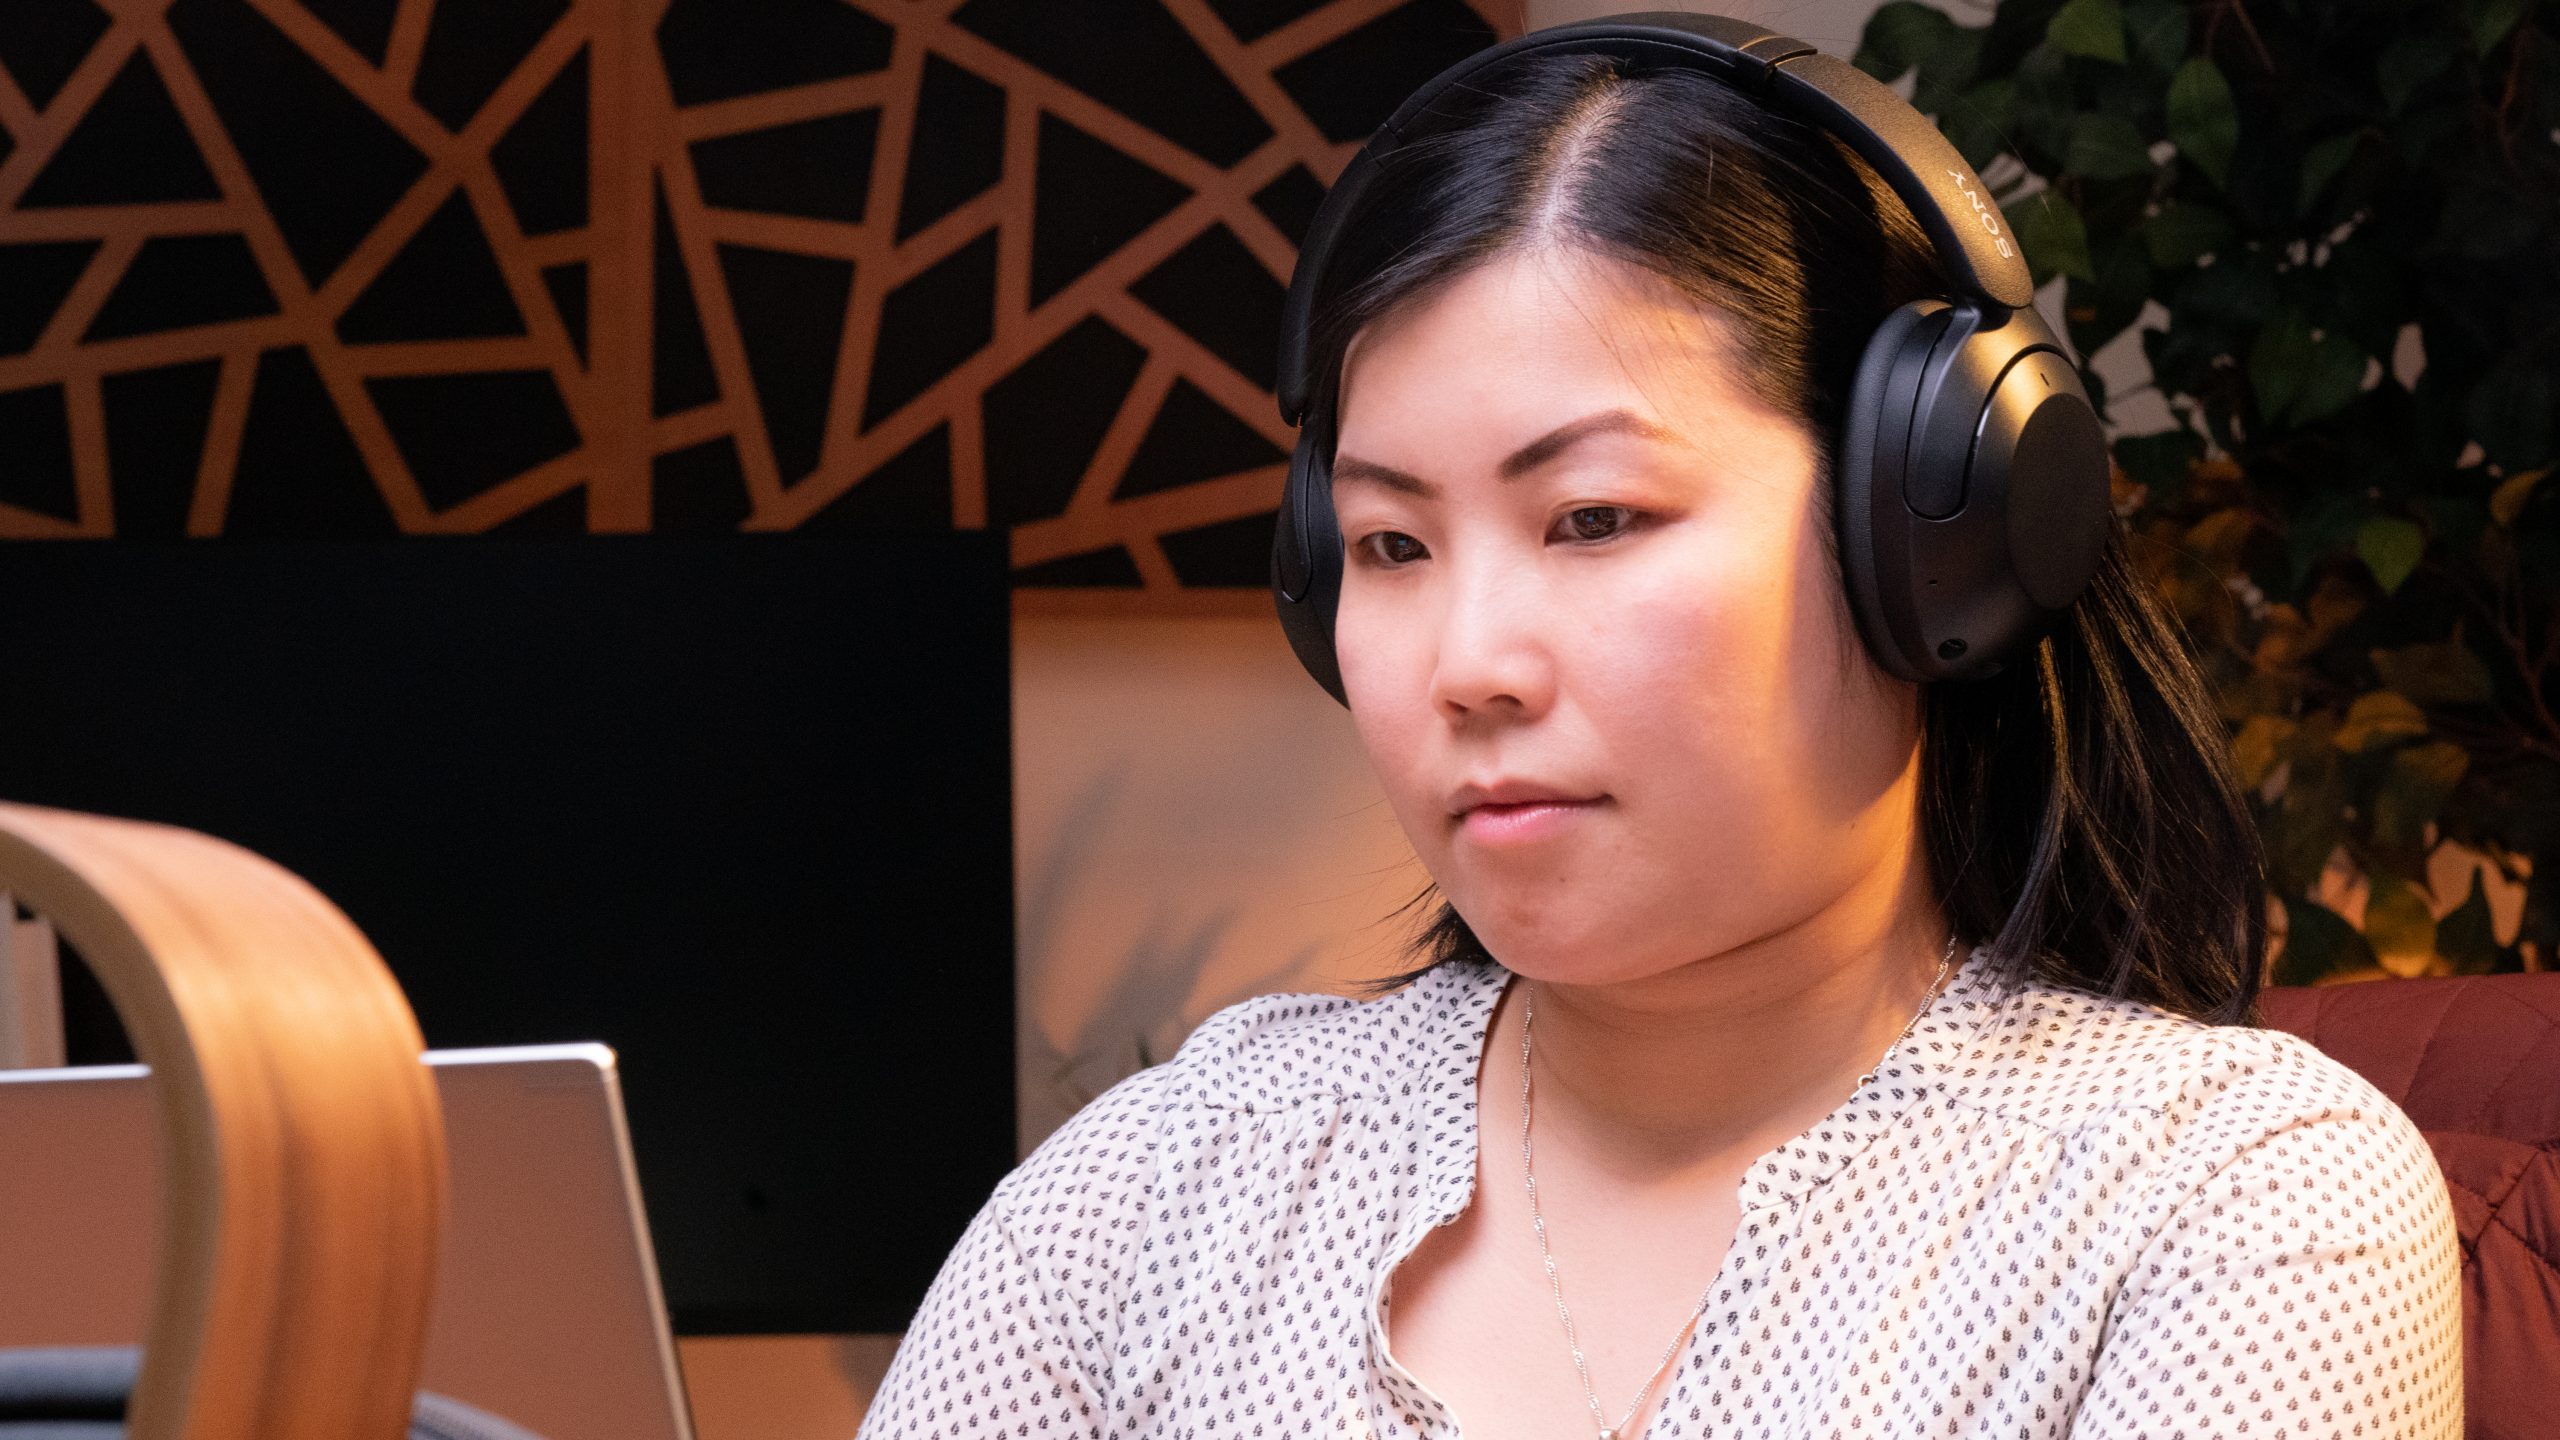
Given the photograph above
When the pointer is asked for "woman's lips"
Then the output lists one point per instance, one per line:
(1525, 821)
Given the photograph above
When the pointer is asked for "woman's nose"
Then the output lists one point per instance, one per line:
(1492, 658)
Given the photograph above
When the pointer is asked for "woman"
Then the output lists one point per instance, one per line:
(1878, 1052)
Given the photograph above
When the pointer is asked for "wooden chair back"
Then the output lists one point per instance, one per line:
(303, 1148)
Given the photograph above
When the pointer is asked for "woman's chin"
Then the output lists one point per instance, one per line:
(1557, 950)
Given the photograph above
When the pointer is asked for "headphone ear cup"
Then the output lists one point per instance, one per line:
(1868, 470)
(1306, 561)
(2042, 448)
(1972, 493)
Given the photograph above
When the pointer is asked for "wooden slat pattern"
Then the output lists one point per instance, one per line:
(639, 144)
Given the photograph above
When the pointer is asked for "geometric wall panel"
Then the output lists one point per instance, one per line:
(542, 159)
(35, 451)
(310, 142)
(1151, 69)
(155, 423)
(959, 156)
(34, 280)
(129, 148)
(930, 324)
(1350, 84)
(364, 24)
(445, 283)
(1253, 19)
(1088, 200)
(723, 50)
(1047, 419)
(378, 267)
(176, 281)
(470, 48)
(43, 41)
(461, 434)
(818, 169)
(1193, 438)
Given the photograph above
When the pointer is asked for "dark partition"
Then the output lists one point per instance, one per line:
(737, 806)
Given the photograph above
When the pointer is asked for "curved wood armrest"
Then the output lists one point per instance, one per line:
(302, 1141)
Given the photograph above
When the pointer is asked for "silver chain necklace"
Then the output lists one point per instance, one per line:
(1599, 1417)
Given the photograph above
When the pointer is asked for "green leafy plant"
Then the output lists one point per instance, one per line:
(2334, 226)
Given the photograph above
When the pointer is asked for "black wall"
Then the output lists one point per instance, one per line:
(738, 807)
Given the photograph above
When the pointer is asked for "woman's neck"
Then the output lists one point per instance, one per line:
(1724, 1058)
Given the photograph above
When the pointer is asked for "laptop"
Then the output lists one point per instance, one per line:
(547, 1309)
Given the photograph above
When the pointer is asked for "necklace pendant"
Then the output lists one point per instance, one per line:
(1608, 1435)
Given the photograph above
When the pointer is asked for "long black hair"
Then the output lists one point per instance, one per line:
(2078, 811)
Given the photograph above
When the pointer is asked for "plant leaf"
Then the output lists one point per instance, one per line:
(2159, 462)
(2318, 942)
(1948, 69)
(2507, 501)
(2106, 147)
(1899, 36)
(2277, 359)
(2307, 824)
(2158, 32)
(2182, 234)
(2453, 521)
(2255, 749)
(2398, 925)
(2445, 672)
(2490, 20)
(2510, 412)
(2413, 60)
(2202, 119)
(2096, 313)
(2047, 100)
(2302, 373)
(2321, 164)
(2094, 28)
(2217, 537)
(2498, 556)
(2240, 286)
(2334, 379)
(2323, 527)
(2390, 547)
(2467, 937)
(2413, 792)
(2378, 718)
(1978, 121)
(2055, 238)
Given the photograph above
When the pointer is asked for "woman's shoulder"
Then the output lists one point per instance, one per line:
(1278, 1050)
(1267, 1054)
(2065, 1061)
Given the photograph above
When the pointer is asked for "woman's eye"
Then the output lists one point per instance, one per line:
(1392, 547)
(1595, 522)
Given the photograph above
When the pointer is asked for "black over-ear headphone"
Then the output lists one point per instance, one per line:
(1971, 488)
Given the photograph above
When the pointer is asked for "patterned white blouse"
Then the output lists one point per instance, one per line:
(2049, 1215)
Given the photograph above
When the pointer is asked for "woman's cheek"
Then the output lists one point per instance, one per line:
(1386, 682)
(1372, 645)
(1680, 632)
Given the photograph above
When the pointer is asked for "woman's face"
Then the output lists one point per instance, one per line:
(1589, 632)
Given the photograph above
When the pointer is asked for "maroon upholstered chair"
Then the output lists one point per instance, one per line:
(2476, 1063)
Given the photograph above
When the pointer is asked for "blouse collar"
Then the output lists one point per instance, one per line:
(1943, 1043)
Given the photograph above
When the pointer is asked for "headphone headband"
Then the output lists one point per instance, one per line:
(1970, 477)
(1789, 76)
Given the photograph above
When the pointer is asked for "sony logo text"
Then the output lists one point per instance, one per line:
(1989, 217)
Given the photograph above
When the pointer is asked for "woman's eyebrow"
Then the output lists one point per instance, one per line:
(1519, 462)
(1348, 467)
(1555, 442)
